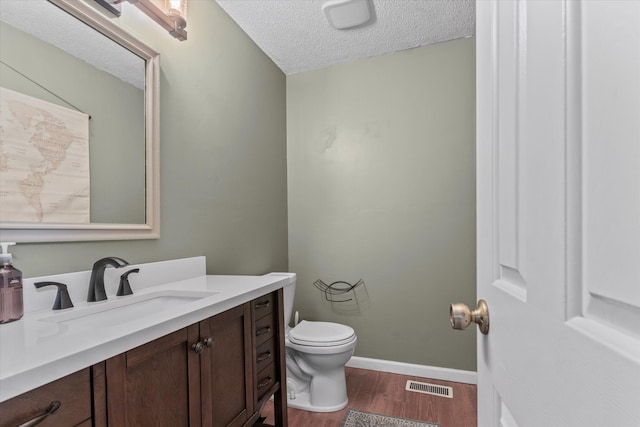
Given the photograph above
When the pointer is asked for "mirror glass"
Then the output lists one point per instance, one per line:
(78, 118)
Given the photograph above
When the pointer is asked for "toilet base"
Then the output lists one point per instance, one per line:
(302, 401)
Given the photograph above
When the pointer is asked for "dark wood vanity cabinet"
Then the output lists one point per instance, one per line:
(218, 372)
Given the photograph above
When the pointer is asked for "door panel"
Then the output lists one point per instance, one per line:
(226, 368)
(611, 135)
(558, 177)
(506, 418)
(152, 385)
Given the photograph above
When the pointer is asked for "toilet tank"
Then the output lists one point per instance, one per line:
(289, 291)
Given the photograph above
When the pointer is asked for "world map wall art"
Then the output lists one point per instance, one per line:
(44, 161)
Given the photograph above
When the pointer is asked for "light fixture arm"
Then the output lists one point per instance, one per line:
(173, 21)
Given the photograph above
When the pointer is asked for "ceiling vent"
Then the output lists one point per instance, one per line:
(343, 14)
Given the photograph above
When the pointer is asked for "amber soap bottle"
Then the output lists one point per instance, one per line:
(11, 307)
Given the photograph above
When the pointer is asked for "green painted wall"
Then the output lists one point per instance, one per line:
(381, 187)
(223, 155)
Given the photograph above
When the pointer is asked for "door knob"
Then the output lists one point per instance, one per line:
(461, 316)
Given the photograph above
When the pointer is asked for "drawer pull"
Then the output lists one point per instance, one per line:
(264, 330)
(263, 304)
(264, 383)
(51, 409)
(264, 356)
(208, 342)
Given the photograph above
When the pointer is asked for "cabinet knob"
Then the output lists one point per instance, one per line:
(198, 347)
(208, 342)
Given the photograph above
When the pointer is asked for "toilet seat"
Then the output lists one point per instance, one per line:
(321, 334)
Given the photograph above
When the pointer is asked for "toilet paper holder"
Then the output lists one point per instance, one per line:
(335, 292)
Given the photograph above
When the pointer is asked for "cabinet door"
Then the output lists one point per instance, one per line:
(156, 384)
(227, 398)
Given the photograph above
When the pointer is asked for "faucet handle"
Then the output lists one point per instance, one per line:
(125, 287)
(63, 300)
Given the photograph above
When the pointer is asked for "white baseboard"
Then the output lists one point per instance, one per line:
(445, 374)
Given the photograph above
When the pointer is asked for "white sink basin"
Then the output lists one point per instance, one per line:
(113, 312)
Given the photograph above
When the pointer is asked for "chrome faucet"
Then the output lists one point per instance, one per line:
(96, 283)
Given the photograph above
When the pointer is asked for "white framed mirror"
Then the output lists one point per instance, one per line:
(79, 71)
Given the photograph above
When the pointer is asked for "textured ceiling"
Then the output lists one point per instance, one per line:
(297, 37)
(54, 26)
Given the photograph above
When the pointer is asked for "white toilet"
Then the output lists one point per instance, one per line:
(316, 355)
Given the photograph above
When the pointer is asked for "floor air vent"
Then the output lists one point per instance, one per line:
(426, 388)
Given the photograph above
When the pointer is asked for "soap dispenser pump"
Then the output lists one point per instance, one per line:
(11, 305)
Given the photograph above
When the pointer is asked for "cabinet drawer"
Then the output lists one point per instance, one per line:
(73, 392)
(262, 306)
(265, 379)
(265, 354)
(263, 330)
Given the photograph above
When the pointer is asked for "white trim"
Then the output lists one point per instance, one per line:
(423, 371)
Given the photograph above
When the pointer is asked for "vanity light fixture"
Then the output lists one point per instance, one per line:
(169, 14)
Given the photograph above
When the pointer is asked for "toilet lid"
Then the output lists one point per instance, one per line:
(321, 334)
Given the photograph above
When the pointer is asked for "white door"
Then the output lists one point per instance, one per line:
(558, 175)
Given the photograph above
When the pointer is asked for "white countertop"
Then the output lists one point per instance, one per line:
(34, 352)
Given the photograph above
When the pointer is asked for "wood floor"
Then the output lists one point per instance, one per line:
(384, 393)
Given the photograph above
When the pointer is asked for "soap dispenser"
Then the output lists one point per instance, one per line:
(11, 307)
